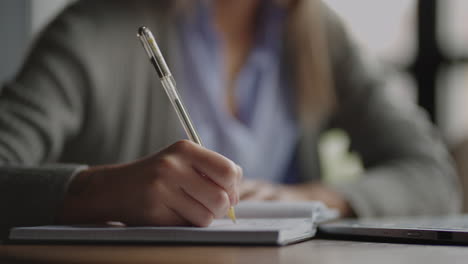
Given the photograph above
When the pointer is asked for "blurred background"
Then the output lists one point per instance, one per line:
(425, 40)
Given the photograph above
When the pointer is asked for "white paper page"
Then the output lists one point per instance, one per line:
(217, 225)
(280, 209)
(253, 224)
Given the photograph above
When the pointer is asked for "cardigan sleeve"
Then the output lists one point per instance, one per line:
(40, 109)
(408, 170)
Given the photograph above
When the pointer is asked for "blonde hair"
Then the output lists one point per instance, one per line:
(308, 42)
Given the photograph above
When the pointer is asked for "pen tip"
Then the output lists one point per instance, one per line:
(232, 215)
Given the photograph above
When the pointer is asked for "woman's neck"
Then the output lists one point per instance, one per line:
(235, 19)
(235, 22)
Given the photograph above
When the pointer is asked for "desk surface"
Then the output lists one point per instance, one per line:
(314, 251)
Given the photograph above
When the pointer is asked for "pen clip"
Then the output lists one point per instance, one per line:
(151, 47)
(145, 44)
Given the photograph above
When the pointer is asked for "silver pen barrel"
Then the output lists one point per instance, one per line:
(168, 82)
(171, 91)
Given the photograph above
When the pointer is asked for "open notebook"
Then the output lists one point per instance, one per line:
(277, 223)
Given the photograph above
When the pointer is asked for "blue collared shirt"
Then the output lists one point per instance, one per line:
(262, 139)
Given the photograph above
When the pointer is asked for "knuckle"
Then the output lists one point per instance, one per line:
(166, 163)
(154, 180)
(183, 145)
(158, 188)
(162, 169)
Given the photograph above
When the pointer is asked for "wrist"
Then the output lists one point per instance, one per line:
(81, 201)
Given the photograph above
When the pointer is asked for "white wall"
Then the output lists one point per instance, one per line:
(14, 32)
(20, 20)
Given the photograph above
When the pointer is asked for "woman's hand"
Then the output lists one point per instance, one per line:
(185, 184)
(261, 191)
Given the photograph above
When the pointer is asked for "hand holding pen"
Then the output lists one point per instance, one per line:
(168, 82)
(163, 189)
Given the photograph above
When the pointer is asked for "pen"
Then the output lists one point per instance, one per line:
(169, 85)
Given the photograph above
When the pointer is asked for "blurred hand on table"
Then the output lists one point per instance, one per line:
(264, 191)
